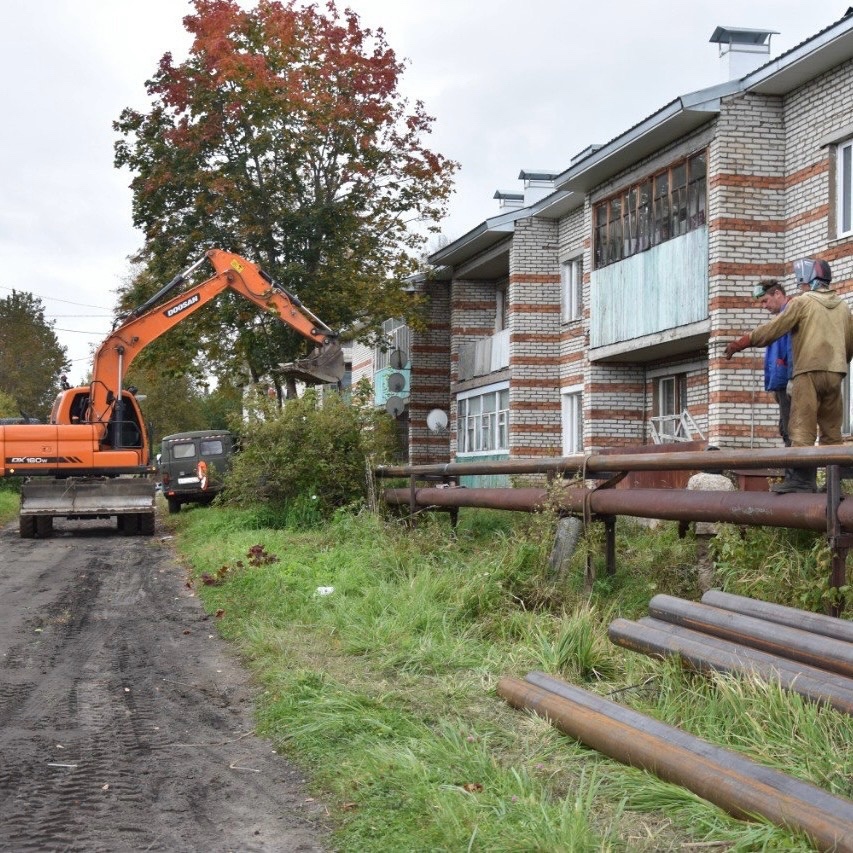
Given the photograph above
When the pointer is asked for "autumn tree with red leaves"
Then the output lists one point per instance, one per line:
(283, 137)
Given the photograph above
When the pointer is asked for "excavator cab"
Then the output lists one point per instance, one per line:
(126, 427)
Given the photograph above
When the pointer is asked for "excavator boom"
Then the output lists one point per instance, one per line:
(96, 446)
(147, 323)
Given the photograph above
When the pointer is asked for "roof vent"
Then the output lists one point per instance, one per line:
(509, 199)
(742, 50)
(537, 183)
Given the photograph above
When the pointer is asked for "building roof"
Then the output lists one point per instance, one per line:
(779, 76)
(596, 163)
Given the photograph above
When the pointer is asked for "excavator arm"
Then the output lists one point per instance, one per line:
(147, 323)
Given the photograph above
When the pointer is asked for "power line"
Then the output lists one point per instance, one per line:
(65, 316)
(51, 298)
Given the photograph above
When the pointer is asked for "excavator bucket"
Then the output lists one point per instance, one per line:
(325, 366)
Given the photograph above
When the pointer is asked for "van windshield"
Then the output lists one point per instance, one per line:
(212, 447)
(183, 451)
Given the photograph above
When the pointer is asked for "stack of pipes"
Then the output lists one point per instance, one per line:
(731, 781)
(807, 653)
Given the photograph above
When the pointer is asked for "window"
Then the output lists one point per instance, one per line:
(501, 308)
(482, 421)
(572, 406)
(183, 451)
(844, 189)
(212, 447)
(847, 417)
(665, 205)
(571, 290)
(669, 400)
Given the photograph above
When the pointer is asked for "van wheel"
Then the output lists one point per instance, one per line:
(174, 505)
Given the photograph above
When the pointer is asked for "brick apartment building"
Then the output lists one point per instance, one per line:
(594, 309)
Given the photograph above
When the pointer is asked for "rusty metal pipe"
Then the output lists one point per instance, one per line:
(816, 623)
(731, 781)
(702, 653)
(773, 457)
(803, 511)
(782, 640)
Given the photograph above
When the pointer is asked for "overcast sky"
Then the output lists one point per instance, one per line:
(512, 85)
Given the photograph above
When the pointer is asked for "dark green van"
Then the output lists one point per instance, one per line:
(192, 465)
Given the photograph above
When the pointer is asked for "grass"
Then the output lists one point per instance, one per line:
(384, 688)
(9, 502)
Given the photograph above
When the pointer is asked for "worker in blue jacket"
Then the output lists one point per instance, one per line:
(778, 357)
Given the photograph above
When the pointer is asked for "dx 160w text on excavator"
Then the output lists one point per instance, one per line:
(93, 458)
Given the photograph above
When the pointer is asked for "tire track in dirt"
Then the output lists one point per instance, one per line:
(124, 721)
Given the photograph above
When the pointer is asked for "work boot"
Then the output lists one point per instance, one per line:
(796, 480)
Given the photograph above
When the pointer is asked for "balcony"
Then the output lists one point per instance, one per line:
(653, 304)
(479, 358)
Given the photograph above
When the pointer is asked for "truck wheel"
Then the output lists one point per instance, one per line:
(174, 505)
(44, 526)
(146, 523)
(129, 524)
(28, 526)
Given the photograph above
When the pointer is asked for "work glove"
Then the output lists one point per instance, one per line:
(736, 346)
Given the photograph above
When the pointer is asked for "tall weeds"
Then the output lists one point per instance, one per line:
(378, 648)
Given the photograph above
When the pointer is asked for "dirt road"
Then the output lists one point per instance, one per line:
(124, 721)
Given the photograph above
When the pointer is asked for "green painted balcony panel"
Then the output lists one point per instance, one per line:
(484, 481)
(660, 289)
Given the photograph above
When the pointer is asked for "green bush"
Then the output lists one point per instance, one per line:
(309, 459)
(8, 406)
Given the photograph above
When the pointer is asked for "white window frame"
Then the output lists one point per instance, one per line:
(500, 308)
(479, 432)
(668, 403)
(571, 404)
(571, 289)
(844, 188)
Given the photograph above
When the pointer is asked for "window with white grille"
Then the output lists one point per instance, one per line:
(482, 420)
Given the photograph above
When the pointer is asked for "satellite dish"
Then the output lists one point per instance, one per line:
(437, 420)
(398, 359)
(396, 382)
(395, 406)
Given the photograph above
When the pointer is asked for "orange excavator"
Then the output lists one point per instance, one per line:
(93, 458)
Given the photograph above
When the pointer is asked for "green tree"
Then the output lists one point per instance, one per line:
(9, 407)
(180, 402)
(31, 358)
(283, 137)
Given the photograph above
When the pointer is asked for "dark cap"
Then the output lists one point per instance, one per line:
(763, 287)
